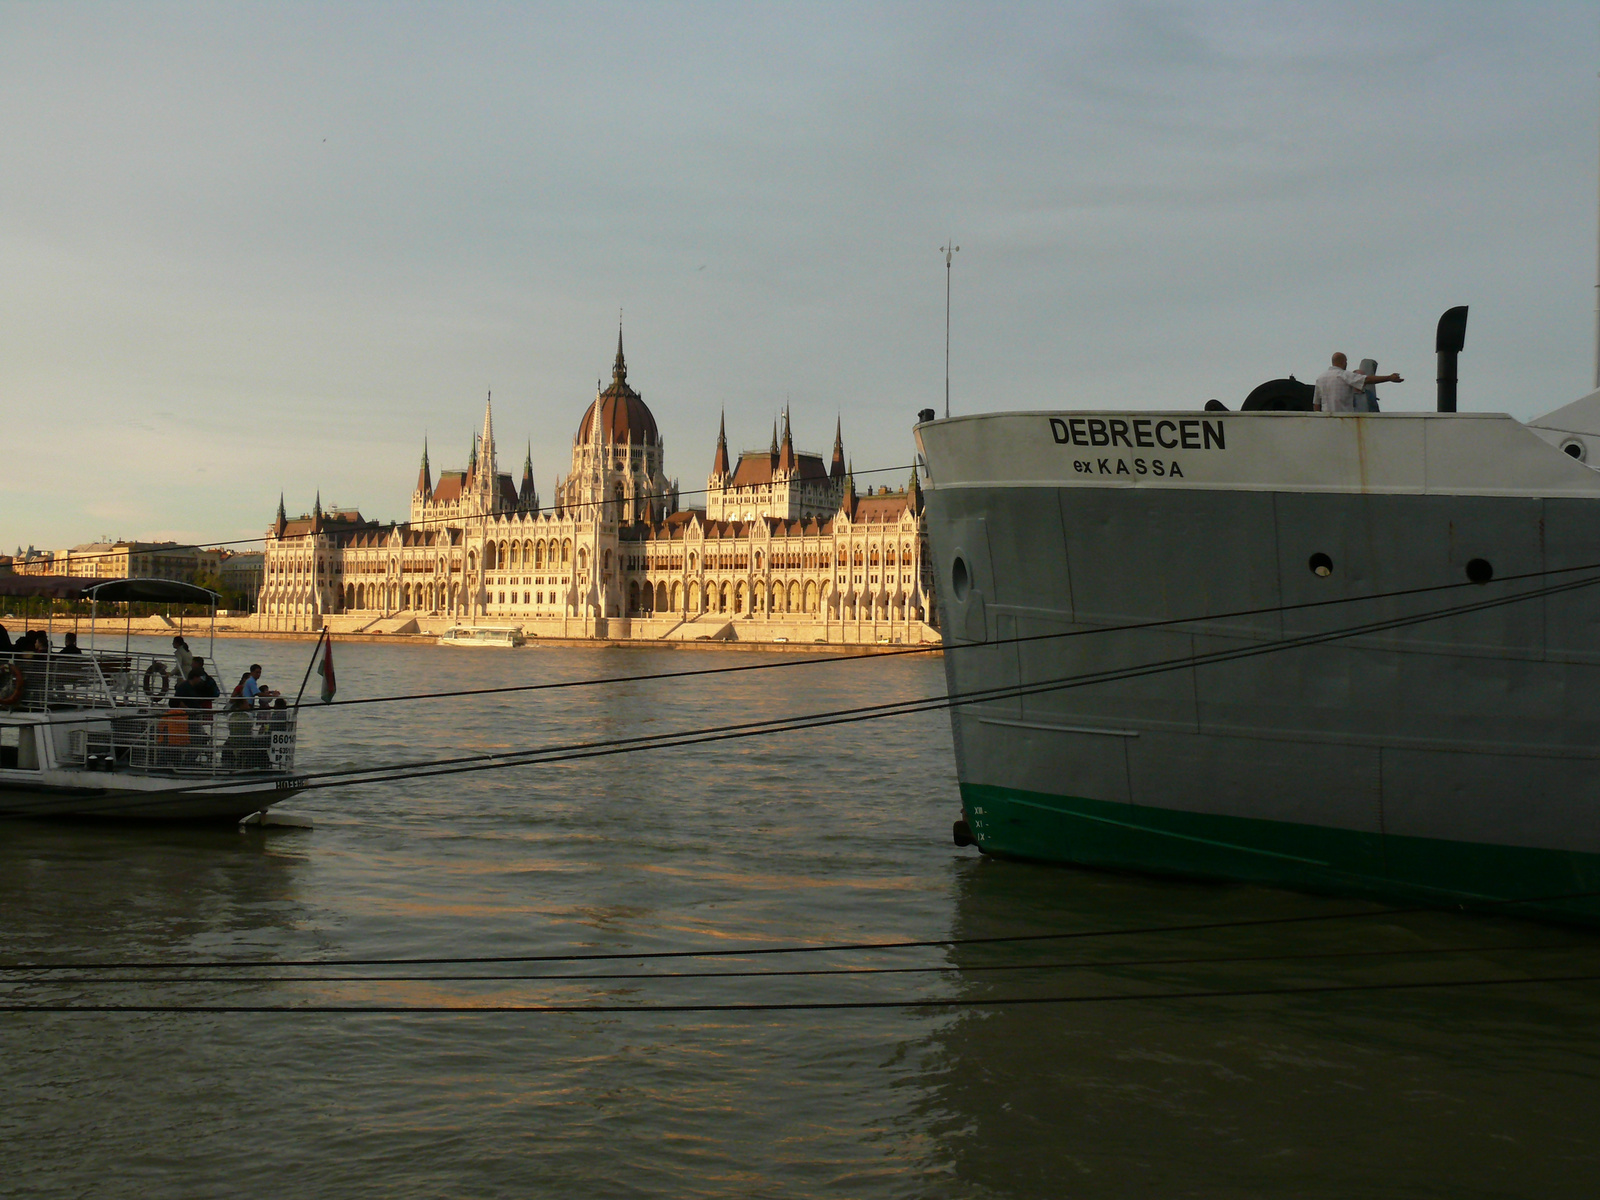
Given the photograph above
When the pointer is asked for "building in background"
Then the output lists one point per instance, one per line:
(785, 548)
(139, 560)
(34, 562)
(123, 560)
(240, 578)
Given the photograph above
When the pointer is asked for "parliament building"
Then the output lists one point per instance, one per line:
(784, 548)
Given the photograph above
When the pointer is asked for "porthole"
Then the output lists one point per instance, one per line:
(1576, 448)
(1321, 565)
(1480, 570)
(960, 581)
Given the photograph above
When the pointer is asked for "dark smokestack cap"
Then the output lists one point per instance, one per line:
(1452, 335)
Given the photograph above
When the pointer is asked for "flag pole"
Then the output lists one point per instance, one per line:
(322, 638)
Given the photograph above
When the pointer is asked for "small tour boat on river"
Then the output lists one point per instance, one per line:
(505, 636)
(101, 733)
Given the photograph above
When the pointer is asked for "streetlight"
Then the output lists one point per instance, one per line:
(949, 251)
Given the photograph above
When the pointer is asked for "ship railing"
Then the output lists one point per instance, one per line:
(187, 742)
(92, 679)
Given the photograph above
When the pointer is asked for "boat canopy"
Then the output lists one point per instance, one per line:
(63, 587)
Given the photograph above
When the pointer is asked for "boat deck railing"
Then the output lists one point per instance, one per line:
(185, 742)
(133, 722)
(92, 679)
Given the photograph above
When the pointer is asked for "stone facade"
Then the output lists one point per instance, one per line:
(784, 549)
(125, 560)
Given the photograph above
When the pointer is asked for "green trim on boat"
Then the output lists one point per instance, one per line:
(1100, 833)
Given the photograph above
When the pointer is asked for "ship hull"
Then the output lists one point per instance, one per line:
(1515, 880)
(1267, 730)
(72, 795)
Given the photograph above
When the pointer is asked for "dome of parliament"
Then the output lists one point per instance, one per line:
(622, 414)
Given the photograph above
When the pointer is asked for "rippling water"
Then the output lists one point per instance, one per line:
(841, 834)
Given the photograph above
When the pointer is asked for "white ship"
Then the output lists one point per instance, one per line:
(503, 636)
(1354, 653)
(101, 733)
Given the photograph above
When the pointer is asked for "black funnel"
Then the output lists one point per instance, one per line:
(1452, 336)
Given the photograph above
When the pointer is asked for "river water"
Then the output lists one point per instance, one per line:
(840, 834)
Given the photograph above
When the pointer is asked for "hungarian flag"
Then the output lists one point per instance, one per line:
(325, 669)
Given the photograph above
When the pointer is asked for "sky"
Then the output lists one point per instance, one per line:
(248, 249)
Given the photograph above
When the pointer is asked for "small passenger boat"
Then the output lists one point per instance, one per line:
(100, 733)
(483, 635)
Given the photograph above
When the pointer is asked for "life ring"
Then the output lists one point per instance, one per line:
(13, 686)
(156, 671)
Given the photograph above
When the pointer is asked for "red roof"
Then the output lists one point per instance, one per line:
(756, 467)
(449, 487)
(880, 510)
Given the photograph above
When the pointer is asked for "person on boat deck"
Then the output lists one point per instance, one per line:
(278, 718)
(1338, 386)
(205, 687)
(197, 692)
(254, 693)
(180, 651)
(242, 748)
(5, 640)
(1367, 401)
(69, 645)
(197, 689)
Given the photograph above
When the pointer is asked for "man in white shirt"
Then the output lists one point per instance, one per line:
(1338, 386)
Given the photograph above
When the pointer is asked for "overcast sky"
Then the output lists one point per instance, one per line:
(253, 248)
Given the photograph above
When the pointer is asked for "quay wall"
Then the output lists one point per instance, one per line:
(706, 632)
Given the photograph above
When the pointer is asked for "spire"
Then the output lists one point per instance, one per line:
(836, 471)
(488, 428)
(774, 450)
(316, 509)
(528, 493)
(787, 459)
(488, 472)
(719, 464)
(914, 492)
(277, 525)
(850, 483)
(425, 475)
(619, 369)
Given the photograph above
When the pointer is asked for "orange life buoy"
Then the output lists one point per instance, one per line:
(12, 685)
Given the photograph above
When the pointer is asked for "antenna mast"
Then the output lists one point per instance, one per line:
(950, 249)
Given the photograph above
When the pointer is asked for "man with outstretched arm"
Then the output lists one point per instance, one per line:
(1338, 386)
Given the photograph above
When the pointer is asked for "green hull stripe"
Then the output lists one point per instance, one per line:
(1100, 833)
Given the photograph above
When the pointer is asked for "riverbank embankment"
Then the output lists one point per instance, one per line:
(235, 627)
